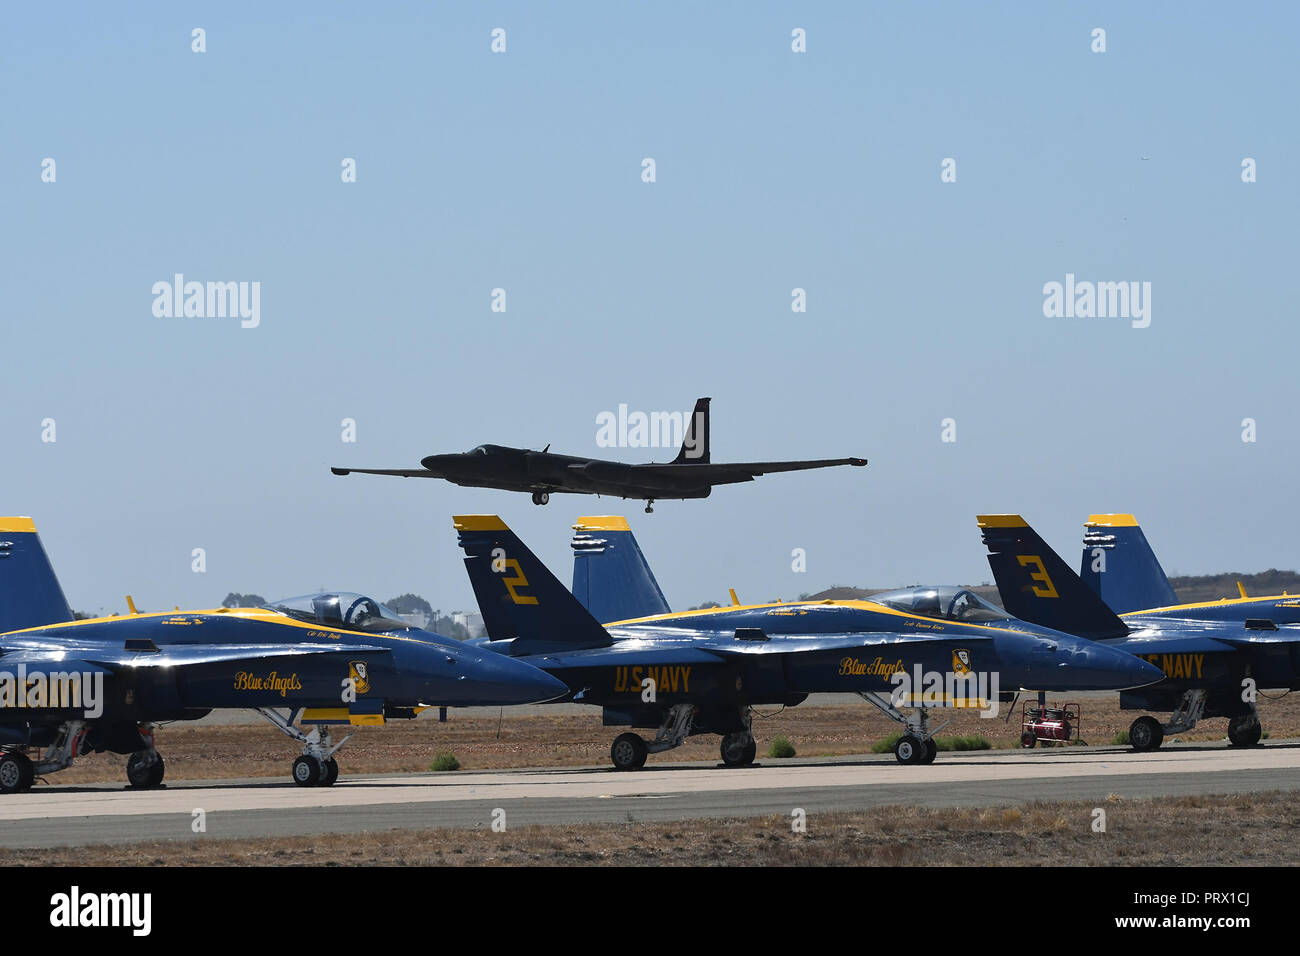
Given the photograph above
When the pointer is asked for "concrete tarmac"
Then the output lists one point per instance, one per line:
(261, 807)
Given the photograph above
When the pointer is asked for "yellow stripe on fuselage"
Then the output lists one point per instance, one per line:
(788, 607)
(259, 614)
(1221, 602)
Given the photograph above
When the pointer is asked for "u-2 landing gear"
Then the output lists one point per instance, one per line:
(316, 767)
(917, 745)
(541, 497)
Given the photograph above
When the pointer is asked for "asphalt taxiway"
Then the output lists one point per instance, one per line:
(266, 807)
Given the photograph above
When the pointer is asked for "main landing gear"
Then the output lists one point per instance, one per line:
(917, 745)
(17, 773)
(1147, 733)
(541, 497)
(629, 751)
(1244, 730)
(649, 506)
(738, 749)
(144, 768)
(316, 767)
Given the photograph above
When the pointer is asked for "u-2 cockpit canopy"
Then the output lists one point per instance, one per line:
(946, 603)
(341, 609)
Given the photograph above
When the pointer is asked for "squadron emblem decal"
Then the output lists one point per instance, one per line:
(360, 674)
(961, 661)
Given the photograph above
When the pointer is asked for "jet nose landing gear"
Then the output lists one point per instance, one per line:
(541, 497)
(316, 767)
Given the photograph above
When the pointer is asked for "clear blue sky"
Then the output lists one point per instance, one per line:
(522, 170)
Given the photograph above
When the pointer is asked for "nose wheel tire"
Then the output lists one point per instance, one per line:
(16, 773)
(1244, 731)
(541, 497)
(307, 771)
(931, 751)
(738, 750)
(329, 772)
(142, 772)
(1146, 734)
(628, 752)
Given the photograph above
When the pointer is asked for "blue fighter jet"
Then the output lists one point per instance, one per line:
(704, 671)
(68, 687)
(1214, 656)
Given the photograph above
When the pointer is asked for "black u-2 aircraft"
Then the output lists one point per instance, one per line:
(71, 687)
(1215, 655)
(690, 475)
(704, 671)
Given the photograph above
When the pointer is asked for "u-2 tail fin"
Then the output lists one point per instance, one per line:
(1120, 567)
(1037, 586)
(611, 577)
(695, 446)
(30, 595)
(518, 596)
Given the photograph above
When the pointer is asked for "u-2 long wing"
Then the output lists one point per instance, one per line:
(398, 472)
(725, 474)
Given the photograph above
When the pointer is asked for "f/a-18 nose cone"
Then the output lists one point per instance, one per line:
(1087, 665)
(500, 680)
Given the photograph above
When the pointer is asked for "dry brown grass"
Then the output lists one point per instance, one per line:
(207, 752)
(1253, 829)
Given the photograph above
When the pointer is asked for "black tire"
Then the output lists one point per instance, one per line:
(12, 773)
(931, 751)
(140, 772)
(1244, 734)
(29, 771)
(306, 771)
(1145, 734)
(1028, 740)
(541, 497)
(329, 773)
(909, 750)
(628, 752)
(738, 750)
